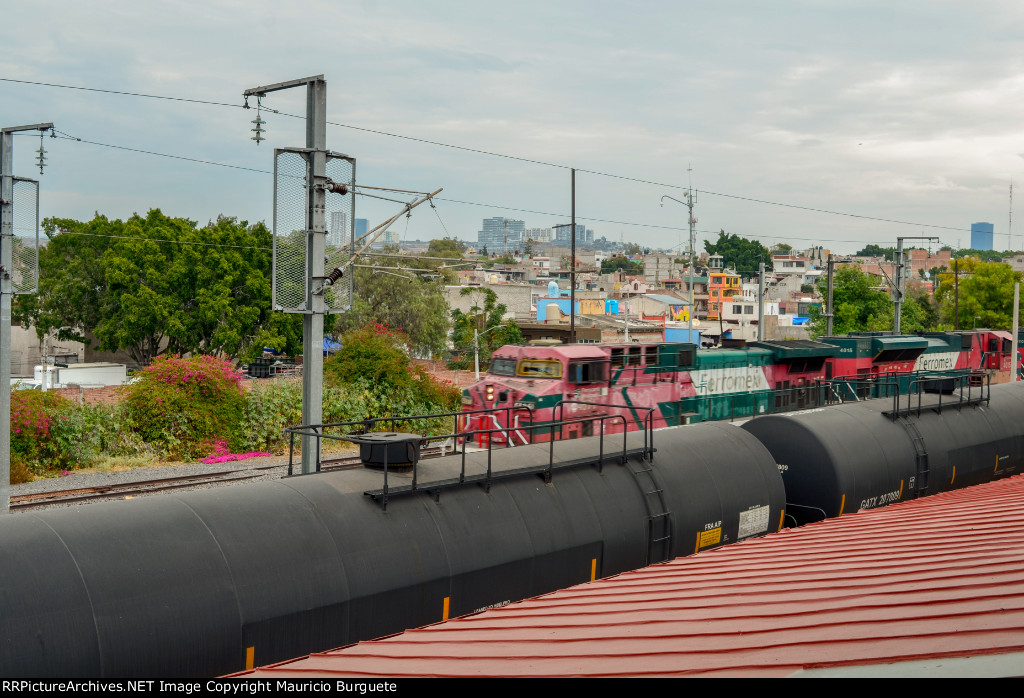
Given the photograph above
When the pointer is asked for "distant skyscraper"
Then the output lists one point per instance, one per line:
(496, 231)
(337, 235)
(389, 237)
(538, 234)
(582, 234)
(362, 225)
(981, 236)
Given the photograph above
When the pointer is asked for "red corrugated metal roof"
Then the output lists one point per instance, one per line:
(930, 580)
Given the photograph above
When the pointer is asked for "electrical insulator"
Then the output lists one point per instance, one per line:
(259, 130)
(334, 276)
(41, 157)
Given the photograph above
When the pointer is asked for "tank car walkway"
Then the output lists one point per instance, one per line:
(929, 587)
(483, 466)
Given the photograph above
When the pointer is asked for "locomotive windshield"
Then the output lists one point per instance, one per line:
(503, 367)
(535, 368)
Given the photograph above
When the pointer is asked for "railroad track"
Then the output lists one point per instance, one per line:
(128, 490)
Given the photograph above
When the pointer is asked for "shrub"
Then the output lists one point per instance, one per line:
(373, 353)
(19, 471)
(374, 357)
(269, 407)
(183, 406)
(33, 414)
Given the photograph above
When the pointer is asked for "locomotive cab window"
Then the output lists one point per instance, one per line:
(582, 372)
(503, 367)
(537, 368)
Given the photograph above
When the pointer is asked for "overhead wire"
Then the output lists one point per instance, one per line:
(65, 136)
(490, 153)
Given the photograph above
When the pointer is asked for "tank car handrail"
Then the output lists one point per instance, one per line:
(648, 427)
(960, 379)
(367, 425)
(490, 476)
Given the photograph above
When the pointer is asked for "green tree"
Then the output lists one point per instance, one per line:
(739, 253)
(610, 265)
(489, 318)
(404, 302)
(858, 304)
(986, 295)
(983, 255)
(154, 284)
(446, 247)
(862, 304)
(888, 253)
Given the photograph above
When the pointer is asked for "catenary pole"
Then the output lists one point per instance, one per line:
(316, 244)
(6, 300)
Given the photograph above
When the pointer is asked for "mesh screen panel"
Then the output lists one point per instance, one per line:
(291, 171)
(25, 252)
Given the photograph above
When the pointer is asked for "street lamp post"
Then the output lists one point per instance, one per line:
(690, 201)
(476, 348)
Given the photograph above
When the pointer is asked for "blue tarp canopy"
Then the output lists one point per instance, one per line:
(330, 346)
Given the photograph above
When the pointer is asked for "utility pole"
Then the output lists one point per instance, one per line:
(691, 199)
(572, 267)
(9, 285)
(830, 314)
(760, 302)
(956, 294)
(900, 282)
(311, 303)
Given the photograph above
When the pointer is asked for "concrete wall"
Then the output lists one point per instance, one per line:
(27, 350)
(516, 297)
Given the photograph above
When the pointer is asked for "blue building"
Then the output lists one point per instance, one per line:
(981, 236)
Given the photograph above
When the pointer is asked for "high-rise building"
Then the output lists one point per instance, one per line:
(538, 234)
(337, 234)
(582, 234)
(501, 234)
(981, 236)
(389, 237)
(362, 225)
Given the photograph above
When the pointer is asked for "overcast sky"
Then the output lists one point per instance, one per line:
(907, 110)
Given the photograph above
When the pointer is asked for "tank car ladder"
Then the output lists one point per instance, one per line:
(920, 483)
(659, 518)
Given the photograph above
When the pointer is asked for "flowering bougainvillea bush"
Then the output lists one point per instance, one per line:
(50, 434)
(183, 406)
(33, 414)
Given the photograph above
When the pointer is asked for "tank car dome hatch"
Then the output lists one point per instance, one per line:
(393, 450)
